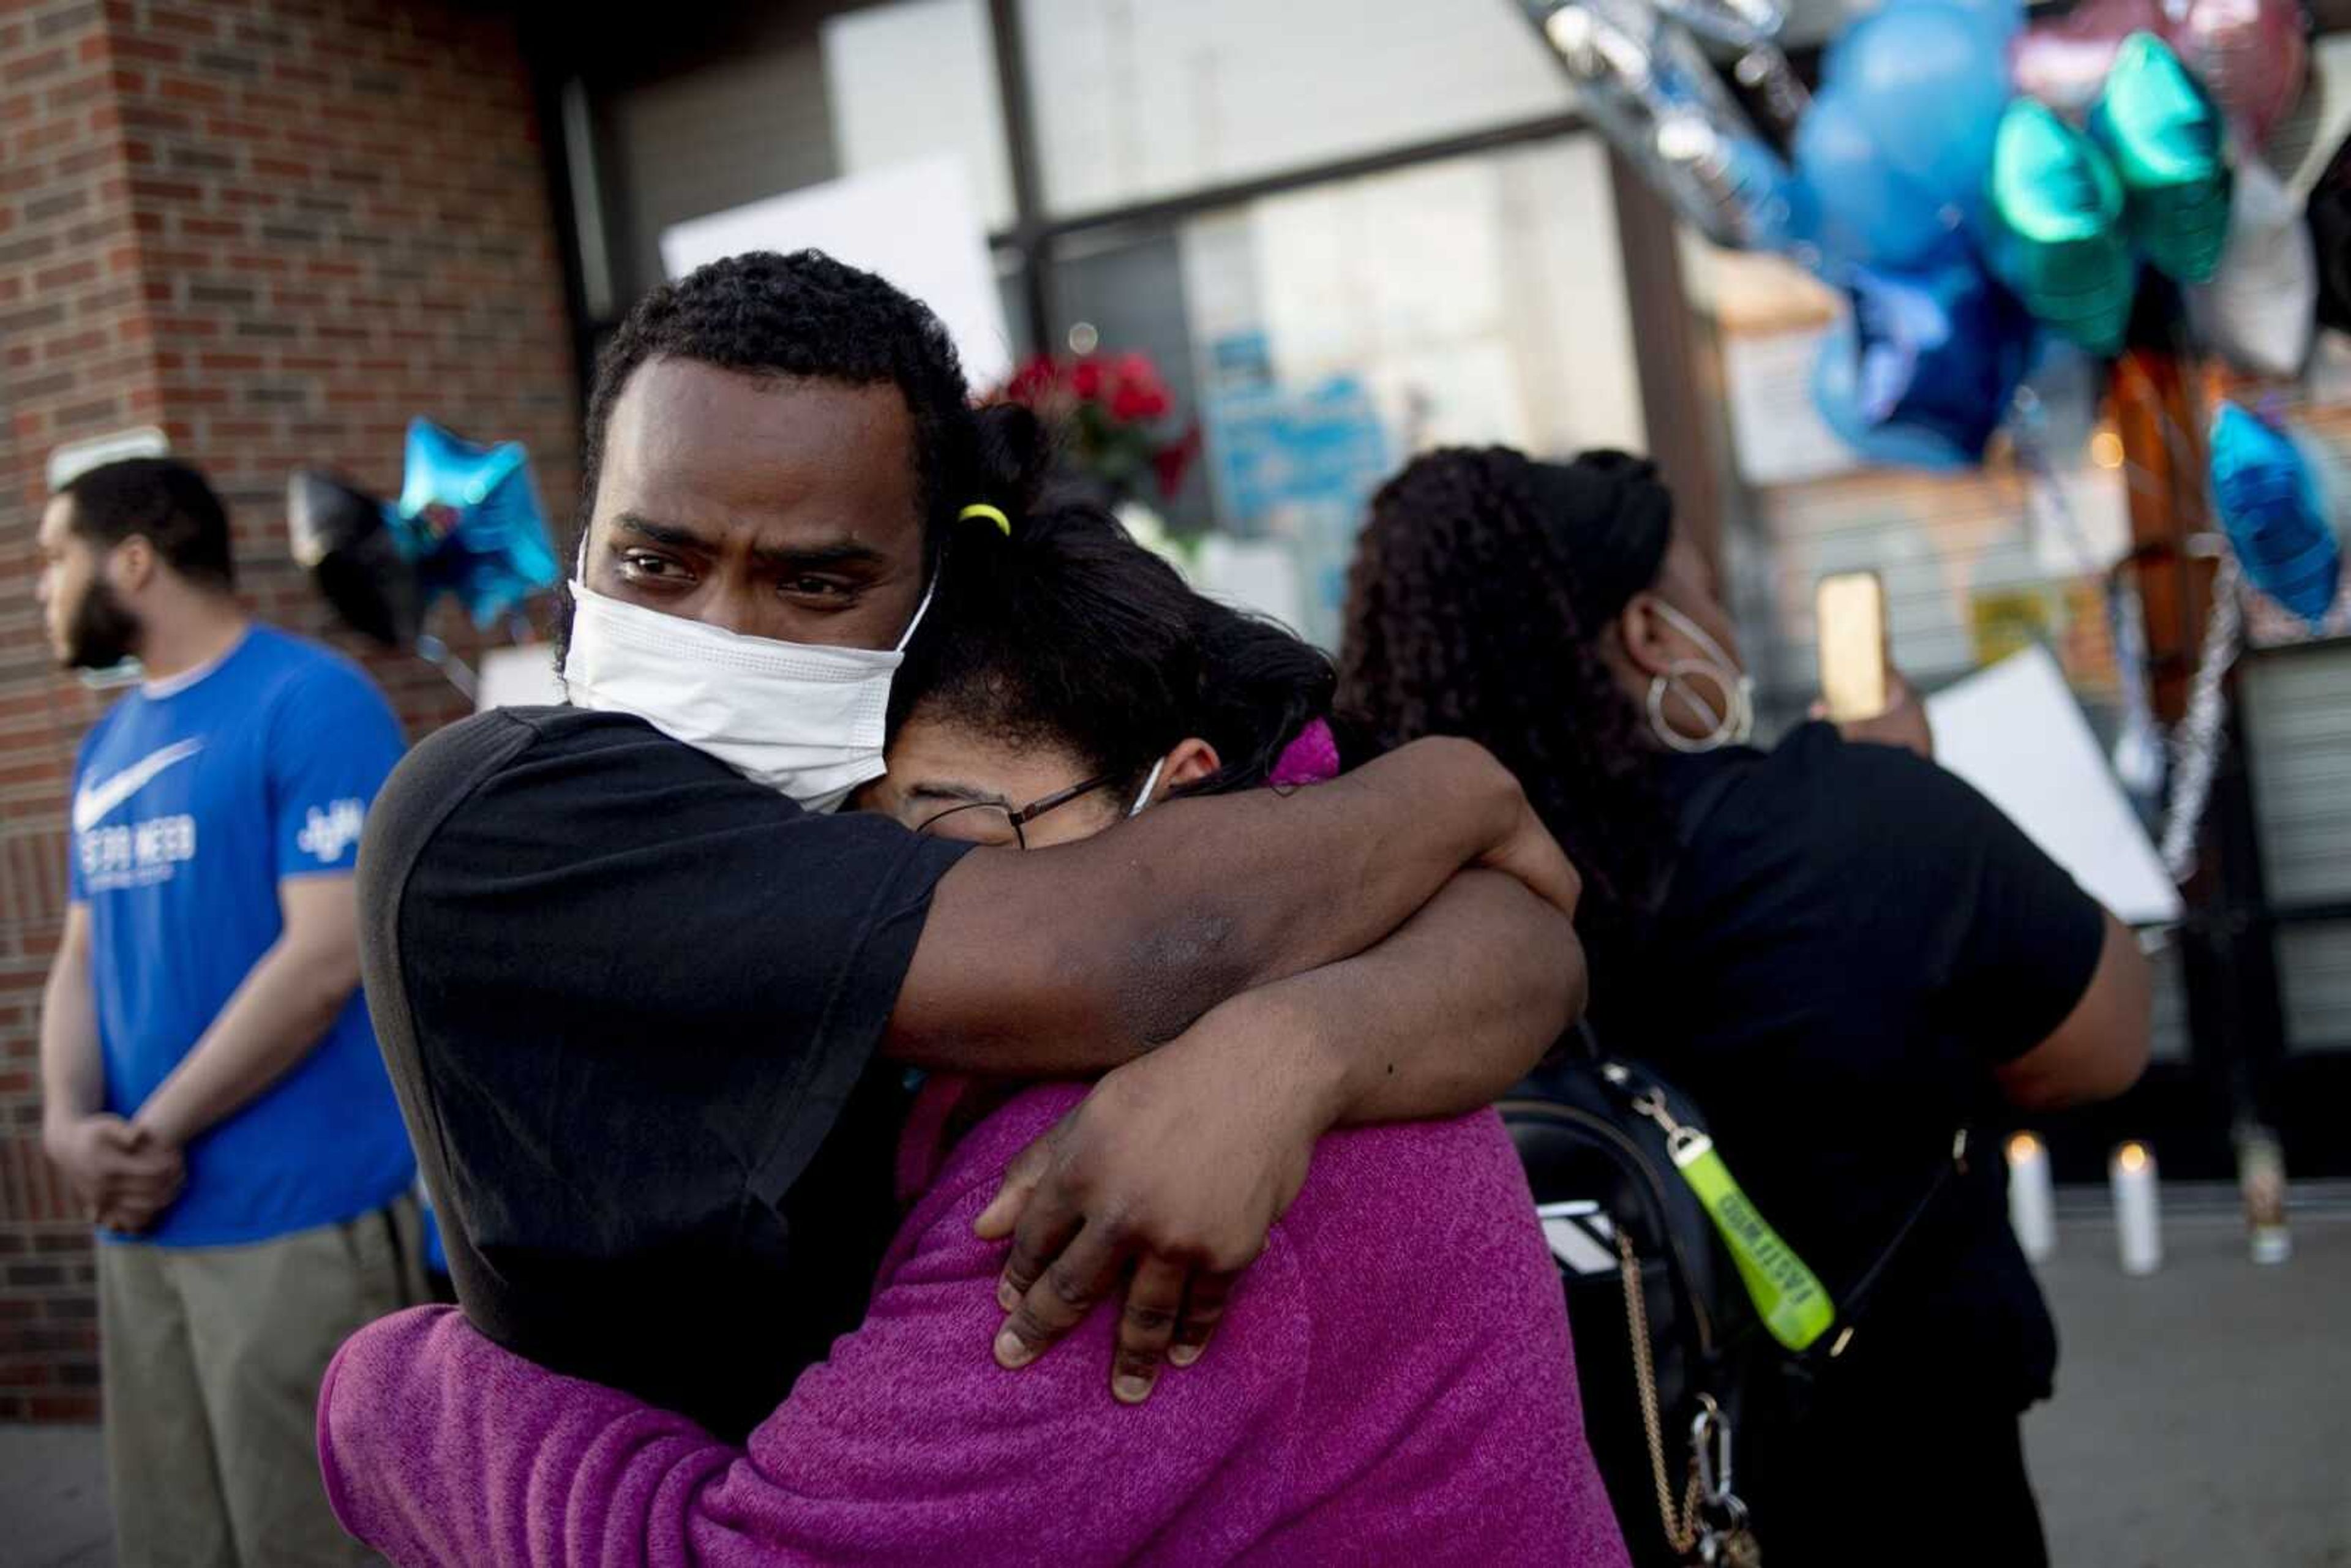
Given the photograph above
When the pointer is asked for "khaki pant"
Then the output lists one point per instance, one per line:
(213, 1357)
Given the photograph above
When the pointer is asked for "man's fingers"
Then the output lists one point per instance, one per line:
(1070, 1286)
(1021, 1178)
(141, 1169)
(1534, 857)
(1046, 1226)
(1204, 1308)
(123, 1137)
(1154, 1299)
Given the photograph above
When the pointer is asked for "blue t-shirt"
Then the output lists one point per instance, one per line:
(192, 802)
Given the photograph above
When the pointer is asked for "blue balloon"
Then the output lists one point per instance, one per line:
(1869, 214)
(2000, 20)
(2269, 505)
(1922, 371)
(469, 516)
(1899, 140)
(1929, 80)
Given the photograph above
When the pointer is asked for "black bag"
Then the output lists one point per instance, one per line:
(1661, 1320)
(1672, 1360)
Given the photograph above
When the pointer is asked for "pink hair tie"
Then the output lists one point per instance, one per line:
(1310, 758)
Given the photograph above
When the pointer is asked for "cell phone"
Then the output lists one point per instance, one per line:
(1851, 607)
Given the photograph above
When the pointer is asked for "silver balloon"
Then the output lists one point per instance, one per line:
(1741, 24)
(1752, 28)
(2260, 311)
(1767, 70)
(1649, 90)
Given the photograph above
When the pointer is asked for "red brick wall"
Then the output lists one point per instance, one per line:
(277, 229)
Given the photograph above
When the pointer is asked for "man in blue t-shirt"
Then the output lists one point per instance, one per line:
(211, 1088)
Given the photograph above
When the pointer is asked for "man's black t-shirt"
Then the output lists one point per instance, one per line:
(630, 1001)
(1851, 938)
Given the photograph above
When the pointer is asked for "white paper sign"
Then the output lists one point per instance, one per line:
(2015, 732)
(915, 224)
(1777, 434)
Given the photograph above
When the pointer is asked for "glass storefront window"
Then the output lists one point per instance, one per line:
(1326, 335)
(1142, 99)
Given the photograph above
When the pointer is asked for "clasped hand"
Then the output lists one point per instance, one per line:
(122, 1175)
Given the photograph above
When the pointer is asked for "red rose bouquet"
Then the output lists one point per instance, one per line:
(1112, 415)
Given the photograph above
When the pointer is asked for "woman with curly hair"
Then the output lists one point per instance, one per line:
(1842, 952)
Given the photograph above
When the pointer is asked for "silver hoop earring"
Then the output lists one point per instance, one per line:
(1676, 679)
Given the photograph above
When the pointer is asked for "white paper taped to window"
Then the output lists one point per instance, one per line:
(2016, 733)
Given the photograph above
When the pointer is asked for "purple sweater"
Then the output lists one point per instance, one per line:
(1393, 1383)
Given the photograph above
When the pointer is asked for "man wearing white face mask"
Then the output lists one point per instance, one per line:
(634, 976)
(1841, 951)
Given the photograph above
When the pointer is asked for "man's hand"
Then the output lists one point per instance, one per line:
(1169, 1175)
(123, 1175)
(1529, 854)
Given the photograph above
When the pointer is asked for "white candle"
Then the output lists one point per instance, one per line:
(2137, 1219)
(2260, 1176)
(2031, 1205)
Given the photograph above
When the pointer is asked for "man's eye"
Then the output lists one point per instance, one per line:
(658, 568)
(815, 587)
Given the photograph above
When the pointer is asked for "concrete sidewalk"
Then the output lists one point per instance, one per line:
(53, 1497)
(2203, 1414)
(2202, 1418)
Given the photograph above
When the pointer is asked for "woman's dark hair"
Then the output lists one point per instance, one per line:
(168, 505)
(1477, 594)
(1260, 684)
(1069, 634)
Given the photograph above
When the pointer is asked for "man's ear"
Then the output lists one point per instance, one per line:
(1192, 761)
(130, 565)
(1641, 636)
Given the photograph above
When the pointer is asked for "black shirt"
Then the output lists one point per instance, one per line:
(630, 1001)
(1850, 940)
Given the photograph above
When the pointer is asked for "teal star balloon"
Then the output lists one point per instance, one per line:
(2056, 232)
(469, 516)
(2168, 141)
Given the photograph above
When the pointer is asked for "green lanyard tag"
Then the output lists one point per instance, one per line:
(1795, 1307)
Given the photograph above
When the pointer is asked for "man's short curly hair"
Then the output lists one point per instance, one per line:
(802, 315)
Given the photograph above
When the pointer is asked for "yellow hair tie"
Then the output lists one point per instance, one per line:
(993, 513)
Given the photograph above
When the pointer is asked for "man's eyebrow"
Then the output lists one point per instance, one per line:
(809, 557)
(950, 789)
(839, 553)
(663, 533)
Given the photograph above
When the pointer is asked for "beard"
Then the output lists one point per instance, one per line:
(102, 633)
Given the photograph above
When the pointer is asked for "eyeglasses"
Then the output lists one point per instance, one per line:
(989, 822)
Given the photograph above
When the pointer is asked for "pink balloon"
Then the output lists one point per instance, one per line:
(2251, 55)
(2064, 63)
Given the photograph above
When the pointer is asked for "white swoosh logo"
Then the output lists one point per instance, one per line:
(92, 805)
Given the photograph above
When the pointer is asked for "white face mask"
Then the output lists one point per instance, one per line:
(1733, 722)
(805, 720)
